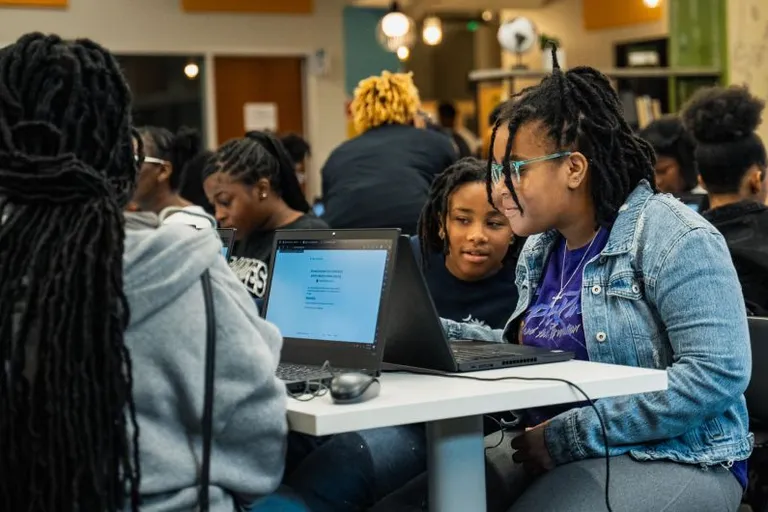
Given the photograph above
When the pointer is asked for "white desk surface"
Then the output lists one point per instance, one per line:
(409, 398)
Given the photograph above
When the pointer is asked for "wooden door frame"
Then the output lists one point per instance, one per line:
(308, 88)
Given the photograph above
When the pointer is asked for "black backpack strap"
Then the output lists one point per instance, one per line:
(210, 365)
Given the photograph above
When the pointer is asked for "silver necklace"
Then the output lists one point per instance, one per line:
(559, 294)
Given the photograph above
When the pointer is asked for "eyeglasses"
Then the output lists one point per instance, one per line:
(497, 170)
(149, 160)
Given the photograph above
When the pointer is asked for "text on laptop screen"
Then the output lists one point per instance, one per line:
(328, 290)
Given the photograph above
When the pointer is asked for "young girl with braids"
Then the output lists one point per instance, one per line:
(166, 156)
(252, 184)
(102, 323)
(467, 249)
(617, 274)
(381, 178)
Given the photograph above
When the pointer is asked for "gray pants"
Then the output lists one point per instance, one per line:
(580, 487)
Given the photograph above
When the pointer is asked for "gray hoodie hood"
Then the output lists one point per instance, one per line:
(162, 262)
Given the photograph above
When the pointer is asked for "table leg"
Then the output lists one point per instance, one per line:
(456, 464)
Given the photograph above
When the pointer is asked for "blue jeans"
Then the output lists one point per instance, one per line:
(351, 472)
(282, 500)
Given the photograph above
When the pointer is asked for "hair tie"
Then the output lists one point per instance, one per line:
(57, 179)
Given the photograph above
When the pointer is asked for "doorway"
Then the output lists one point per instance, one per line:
(276, 81)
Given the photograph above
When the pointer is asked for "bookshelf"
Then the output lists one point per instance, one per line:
(694, 55)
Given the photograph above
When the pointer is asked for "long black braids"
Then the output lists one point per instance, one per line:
(434, 214)
(68, 430)
(582, 112)
(260, 155)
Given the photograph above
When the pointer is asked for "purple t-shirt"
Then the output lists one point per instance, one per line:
(553, 320)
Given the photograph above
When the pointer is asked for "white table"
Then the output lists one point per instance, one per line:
(453, 410)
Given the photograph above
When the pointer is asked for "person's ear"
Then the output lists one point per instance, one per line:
(164, 172)
(577, 169)
(755, 182)
(262, 189)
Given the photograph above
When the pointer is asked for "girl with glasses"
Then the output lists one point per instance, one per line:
(617, 274)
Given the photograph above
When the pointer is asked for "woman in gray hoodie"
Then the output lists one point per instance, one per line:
(102, 322)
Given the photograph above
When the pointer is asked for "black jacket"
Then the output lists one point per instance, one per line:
(745, 228)
(381, 179)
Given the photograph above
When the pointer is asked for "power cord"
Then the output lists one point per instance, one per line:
(437, 373)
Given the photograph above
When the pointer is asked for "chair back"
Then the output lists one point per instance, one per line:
(757, 391)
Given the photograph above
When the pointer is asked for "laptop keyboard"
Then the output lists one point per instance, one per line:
(292, 372)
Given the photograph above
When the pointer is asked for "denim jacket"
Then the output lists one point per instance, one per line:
(662, 294)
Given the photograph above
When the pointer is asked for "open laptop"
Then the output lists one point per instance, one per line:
(227, 241)
(326, 293)
(696, 202)
(415, 337)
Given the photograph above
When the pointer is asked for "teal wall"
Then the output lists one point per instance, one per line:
(363, 56)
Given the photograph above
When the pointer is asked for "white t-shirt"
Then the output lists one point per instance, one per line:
(190, 215)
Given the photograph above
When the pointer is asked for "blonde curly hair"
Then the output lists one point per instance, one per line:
(391, 98)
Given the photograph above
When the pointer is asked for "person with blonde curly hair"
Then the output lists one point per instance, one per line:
(381, 178)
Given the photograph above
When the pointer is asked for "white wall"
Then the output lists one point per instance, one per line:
(748, 50)
(159, 26)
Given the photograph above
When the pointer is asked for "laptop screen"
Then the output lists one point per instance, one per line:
(227, 240)
(328, 290)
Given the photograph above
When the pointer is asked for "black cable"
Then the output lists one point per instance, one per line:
(437, 373)
(314, 388)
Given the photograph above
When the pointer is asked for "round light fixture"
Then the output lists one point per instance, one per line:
(191, 70)
(395, 23)
(651, 3)
(487, 15)
(403, 53)
(432, 33)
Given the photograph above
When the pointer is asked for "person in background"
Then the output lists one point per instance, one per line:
(102, 317)
(615, 273)
(252, 184)
(381, 178)
(465, 142)
(467, 249)
(166, 155)
(733, 166)
(675, 171)
(191, 186)
(299, 151)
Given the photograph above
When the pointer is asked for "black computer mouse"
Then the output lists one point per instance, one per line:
(354, 388)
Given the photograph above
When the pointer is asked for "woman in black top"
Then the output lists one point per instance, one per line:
(381, 178)
(732, 162)
(253, 187)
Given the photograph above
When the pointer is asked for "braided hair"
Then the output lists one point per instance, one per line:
(178, 149)
(68, 431)
(581, 111)
(259, 155)
(434, 215)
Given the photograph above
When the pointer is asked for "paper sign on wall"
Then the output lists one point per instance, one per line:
(260, 116)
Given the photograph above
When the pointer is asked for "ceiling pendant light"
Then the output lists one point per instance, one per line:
(432, 33)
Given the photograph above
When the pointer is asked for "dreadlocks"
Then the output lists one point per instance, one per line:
(66, 172)
(259, 155)
(434, 215)
(581, 112)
